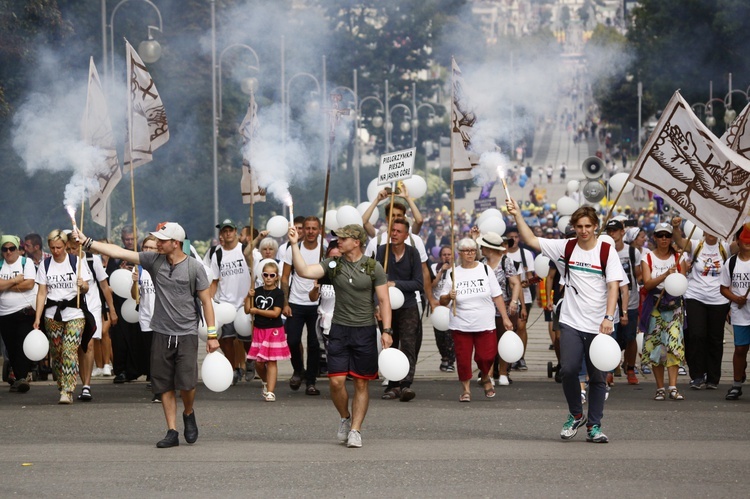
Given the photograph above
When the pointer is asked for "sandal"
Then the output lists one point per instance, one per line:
(675, 395)
(465, 397)
(270, 397)
(265, 388)
(660, 394)
(392, 394)
(489, 393)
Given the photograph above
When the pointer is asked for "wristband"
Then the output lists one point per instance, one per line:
(212, 336)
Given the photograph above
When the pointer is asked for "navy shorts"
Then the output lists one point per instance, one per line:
(353, 351)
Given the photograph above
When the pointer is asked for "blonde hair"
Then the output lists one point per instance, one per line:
(57, 235)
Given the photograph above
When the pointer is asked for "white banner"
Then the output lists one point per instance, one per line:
(395, 166)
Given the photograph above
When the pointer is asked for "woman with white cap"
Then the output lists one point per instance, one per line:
(663, 343)
(493, 252)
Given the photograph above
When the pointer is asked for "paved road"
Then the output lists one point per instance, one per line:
(431, 446)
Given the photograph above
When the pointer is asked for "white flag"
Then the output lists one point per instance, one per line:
(737, 136)
(706, 181)
(462, 122)
(96, 129)
(147, 116)
(251, 191)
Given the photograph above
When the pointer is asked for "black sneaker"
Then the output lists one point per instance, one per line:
(734, 393)
(156, 399)
(295, 382)
(407, 394)
(120, 378)
(172, 439)
(20, 386)
(522, 365)
(191, 427)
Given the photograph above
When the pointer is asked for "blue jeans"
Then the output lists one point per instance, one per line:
(574, 348)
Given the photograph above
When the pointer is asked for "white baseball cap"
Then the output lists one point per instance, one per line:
(170, 230)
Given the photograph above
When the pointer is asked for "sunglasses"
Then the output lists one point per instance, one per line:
(661, 235)
(269, 275)
(469, 251)
(8, 249)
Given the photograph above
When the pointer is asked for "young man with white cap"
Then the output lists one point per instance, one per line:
(179, 283)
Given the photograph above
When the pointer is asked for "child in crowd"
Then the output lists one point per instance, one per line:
(269, 339)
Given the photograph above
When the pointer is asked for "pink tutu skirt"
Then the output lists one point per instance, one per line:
(269, 344)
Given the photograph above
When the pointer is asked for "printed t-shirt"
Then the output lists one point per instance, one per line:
(585, 302)
(703, 278)
(61, 286)
(13, 301)
(738, 283)
(233, 276)
(300, 287)
(475, 290)
(267, 299)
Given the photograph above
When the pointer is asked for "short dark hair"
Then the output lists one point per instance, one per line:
(34, 238)
(512, 228)
(398, 205)
(402, 221)
(299, 219)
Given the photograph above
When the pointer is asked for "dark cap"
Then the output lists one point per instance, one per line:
(226, 223)
(614, 225)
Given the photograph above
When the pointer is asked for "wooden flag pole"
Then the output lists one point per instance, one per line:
(453, 197)
(390, 225)
(132, 181)
(252, 238)
(80, 259)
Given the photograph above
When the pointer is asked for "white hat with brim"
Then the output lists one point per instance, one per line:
(491, 240)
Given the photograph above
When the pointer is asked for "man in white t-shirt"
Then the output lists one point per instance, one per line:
(301, 311)
(590, 302)
(231, 283)
(735, 285)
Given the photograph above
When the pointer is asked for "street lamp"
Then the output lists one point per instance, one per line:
(404, 126)
(149, 51)
(248, 86)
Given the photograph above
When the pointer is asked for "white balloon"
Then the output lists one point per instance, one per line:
(676, 284)
(331, 220)
(347, 215)
(35, 346)
(693, 234)
(397, 297)
(618, 180)
(441, 318)
(510, 347)
(562, 223)
(217, 372)
(224, 313)
(488, 213)
(639, 342)
(541, 266)
(566, 205)
(277, 226)
(362, 208)
(243, 324)
(493, 224)
(121, 281)
(128, 311)
(373, 189)
(417, 186)
(393, 364)
(604, 238)
(604, 352)
(573, 186)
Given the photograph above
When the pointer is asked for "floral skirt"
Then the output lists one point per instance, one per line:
(664, 342)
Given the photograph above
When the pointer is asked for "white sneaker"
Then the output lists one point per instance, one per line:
(97, 372)
(107, 370)
(65, 398)
(504, 381)
(354, 440)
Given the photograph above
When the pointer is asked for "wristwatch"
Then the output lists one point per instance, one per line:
(610, 318)
(387, 330)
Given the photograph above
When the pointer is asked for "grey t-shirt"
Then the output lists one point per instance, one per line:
(354, 291)
(174, 307)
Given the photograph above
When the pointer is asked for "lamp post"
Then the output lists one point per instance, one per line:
(248, 86)
(149, 51)
(354, 114)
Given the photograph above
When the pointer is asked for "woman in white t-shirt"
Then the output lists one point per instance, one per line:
(476, 295)
(16, 314)
(705, 307)
(663, 342)
(59, 285)
(142, 279)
